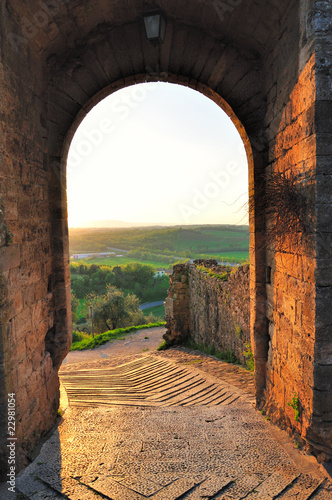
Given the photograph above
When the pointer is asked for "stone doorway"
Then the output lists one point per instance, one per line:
(269, 62)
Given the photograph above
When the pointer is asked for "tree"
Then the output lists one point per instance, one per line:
(113, 309)
(92, 269)
(74, 306)
(78, 286)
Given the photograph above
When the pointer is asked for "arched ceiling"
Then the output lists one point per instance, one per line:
(86, 46)
(56, 26)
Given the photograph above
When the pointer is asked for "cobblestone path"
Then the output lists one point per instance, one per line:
(165, 427)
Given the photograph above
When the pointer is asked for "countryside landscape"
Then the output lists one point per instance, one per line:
(123, 273)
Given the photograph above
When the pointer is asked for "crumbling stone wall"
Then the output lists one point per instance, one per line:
(177, 306)
(206, 309)
(220, 310)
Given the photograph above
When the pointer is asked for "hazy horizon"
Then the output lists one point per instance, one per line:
(105, 223)
(157, 154)
(101, 224)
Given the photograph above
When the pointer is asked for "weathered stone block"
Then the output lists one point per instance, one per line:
(53, 386)
(9, 257)
(22, 324)
(15, 354)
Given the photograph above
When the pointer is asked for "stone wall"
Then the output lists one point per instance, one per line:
(209, 304)
(320, 430)
(177, 306)
(296, 295)
(28, 284)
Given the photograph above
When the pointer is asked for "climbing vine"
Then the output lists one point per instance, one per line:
(296, 405)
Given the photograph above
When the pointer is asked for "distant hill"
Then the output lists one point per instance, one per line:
(169, 243)
(115, 224)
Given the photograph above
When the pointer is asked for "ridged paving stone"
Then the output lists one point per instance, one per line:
(116, 491)
(141, 485)
(273, 485)
(210, 487)
(175, 490)
(324, 493)
(76, 491)
(241, 487)
(175, 433)
(33, 488)
(145, 382)
(302, 489)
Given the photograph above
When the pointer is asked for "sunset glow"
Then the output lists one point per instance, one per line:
(157, 154)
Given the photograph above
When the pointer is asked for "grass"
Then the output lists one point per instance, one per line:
(248, 354)
(163, 346)
(241, 256)
(157, 311)
(83, 341)
(296, 405)
(227, 356)
(198, 239)
(210, 272)
(121, 261)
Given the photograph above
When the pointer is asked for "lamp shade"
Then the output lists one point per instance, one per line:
(155, 25)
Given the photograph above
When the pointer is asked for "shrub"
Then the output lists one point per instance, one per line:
(296, 405)
(79, 336)
(248, 354)
(165, 345)
(89, 342)
(227, 356)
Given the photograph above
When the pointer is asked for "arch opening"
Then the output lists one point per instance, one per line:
(141, 130)
(211, 190)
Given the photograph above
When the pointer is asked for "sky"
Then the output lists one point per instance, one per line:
(157, 153)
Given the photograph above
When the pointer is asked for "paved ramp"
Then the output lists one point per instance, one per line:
(147, 381)
(155, 429)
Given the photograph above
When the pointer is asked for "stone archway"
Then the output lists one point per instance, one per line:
(268, 61)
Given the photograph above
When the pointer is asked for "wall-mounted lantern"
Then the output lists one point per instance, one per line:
(155, 25)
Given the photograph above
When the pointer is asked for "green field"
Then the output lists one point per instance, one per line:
(210, 241)
(162, 247)
(157, 311)
(241, 256)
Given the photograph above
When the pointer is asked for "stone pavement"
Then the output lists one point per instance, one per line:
(119, 451)
(146, 381)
